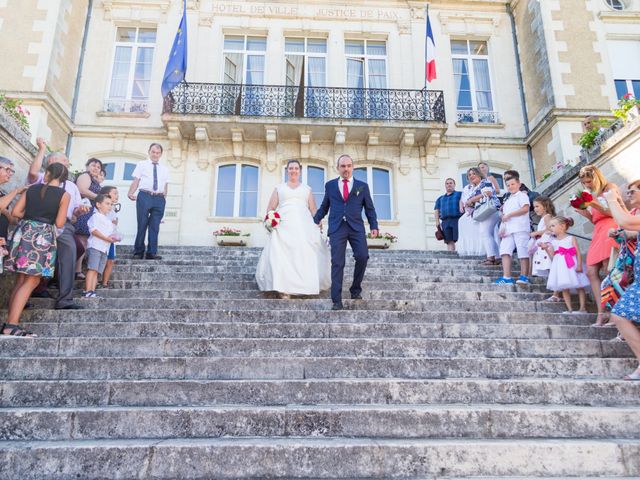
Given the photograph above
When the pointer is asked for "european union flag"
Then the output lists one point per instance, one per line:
(177, 63)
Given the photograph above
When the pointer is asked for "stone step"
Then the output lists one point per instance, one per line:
(198, 315)
(309, 304)
(299, 368)
(157, 392)
(374, 268)
(248, 277)
(253, 261)
(336, 421)
(444, 296)
(251, 285)
(68, 328)
(318, 458)
(309, 347)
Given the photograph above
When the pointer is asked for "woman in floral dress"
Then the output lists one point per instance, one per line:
(33, 248)
(626, 312)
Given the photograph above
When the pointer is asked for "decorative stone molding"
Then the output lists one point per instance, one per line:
(237, 141)
(271, 138)
(175, 137)
(407, 142)
(152, 11)
(305, 144)
(373, 140)
(340, 136)
(202, 142)
(428, 152)
(469, 24)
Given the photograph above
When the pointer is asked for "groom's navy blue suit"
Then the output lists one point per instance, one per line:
(346, 225)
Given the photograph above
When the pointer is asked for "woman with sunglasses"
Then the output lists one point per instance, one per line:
(626, 312)
(6, 219)
(601, 245)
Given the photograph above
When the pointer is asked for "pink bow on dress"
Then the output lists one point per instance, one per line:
(568, 254)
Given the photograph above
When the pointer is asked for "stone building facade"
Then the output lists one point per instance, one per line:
(272, 81)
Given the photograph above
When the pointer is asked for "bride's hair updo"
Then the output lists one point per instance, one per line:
(294, 161)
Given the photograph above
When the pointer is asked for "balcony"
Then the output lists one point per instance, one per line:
(306, 102)
(477, 116)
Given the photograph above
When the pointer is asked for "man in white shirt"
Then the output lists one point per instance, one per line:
(151, 179)
(67, 250)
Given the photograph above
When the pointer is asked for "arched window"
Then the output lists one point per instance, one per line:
(314, 177)
(379, 181)
(118, 171)
(237, 191)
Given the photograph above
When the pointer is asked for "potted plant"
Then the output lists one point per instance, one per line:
(227, 236)
(18, 113)
(628, 108)
(382, 241)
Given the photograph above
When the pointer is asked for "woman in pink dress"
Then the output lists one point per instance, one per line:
(599, 214)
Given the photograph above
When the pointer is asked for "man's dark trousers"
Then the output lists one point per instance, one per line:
(150, 210)
(338, 241)
(66, 265)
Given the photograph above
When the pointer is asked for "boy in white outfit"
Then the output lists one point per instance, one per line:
(101, 229)
(514, 232)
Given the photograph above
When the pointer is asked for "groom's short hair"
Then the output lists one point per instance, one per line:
(341, 157)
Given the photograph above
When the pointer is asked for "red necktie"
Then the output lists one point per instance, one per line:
(345, 189)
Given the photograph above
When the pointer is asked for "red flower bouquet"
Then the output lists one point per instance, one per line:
(581, 199)
(271, 220)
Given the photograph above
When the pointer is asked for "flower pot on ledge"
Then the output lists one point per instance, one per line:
(232, 240)
(380, 243)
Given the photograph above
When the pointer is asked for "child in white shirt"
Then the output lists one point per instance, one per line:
(111, 192)
(514, 233)
(101, 229)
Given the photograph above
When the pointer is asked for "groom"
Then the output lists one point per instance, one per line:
(344, 199)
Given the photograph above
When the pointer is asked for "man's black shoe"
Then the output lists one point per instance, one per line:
(137, 256)
(71, 306)
(337, 306)
(151, 256)
(356, 296)
(41, 294)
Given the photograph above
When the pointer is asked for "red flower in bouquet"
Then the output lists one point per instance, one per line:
(581, 199)
(271, 220)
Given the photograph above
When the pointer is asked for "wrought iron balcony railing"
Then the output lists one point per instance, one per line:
(305, 102)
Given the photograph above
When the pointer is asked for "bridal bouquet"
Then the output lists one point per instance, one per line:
(271, 220)
(580, 199)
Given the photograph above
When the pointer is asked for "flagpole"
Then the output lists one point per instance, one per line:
(426, 40)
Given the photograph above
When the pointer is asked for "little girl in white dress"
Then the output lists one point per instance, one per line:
(567, 267)
(540, 259)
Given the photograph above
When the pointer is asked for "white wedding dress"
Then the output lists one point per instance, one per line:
(296, 260)
(470, 242)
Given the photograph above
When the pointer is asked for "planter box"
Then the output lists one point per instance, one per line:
(232, 240)
(380, 243)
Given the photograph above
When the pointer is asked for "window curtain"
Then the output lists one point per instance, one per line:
(483, 85)
(120, 75)
(142, 77)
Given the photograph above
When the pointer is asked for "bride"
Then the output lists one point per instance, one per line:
(295, 260)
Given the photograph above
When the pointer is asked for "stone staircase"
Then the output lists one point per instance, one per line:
(185, 370)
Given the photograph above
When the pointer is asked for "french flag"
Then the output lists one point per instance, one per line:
(430, 52)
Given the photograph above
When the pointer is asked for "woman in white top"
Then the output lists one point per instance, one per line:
(295, 260)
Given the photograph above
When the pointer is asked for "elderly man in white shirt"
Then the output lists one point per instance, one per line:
(151, 179)
(67, 250)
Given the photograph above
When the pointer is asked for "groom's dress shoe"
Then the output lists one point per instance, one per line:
(337, 306)
(356, 296)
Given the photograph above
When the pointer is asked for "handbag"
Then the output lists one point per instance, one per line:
(483, 211)
(439, 234)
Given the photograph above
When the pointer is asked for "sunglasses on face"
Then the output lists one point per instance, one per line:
(9, 170)
(631, 191)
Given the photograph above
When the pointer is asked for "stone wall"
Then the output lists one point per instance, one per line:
(619, 160)
(15, 145)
